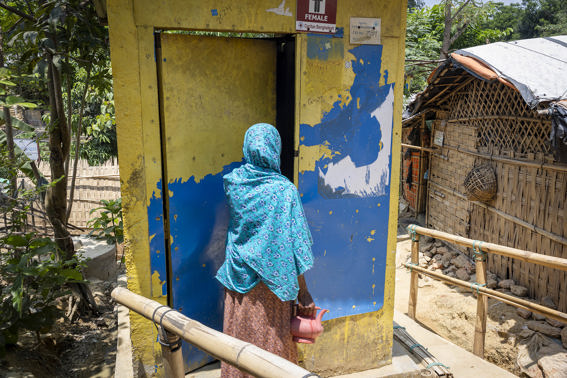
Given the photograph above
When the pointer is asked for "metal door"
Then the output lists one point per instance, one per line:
(211, 90)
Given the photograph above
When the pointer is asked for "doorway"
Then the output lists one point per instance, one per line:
(211, 89)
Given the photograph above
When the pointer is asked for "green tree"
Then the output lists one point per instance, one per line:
(61, 39)
(505, 18)
(433, 31)
(415, 4)
(542, 18)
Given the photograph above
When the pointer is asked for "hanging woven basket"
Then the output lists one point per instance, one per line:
(480, 183)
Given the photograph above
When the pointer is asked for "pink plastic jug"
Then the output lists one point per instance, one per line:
(305, 329)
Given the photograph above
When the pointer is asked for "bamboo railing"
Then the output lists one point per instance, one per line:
(243, 355)
(480, 250)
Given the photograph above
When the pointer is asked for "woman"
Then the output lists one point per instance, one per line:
(267, 251)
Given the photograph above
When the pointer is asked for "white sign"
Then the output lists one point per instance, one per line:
(438, 138)
(365, 31)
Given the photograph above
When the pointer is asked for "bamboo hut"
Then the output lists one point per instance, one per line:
(485, 154)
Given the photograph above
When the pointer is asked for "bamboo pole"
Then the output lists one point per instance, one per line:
(511, 218)
(532, 164)
(526, 256)
(506, 298)
(481, 305)
(422, 354)
(412, 305)
(172, 356)
(492, 117)
(419, 148)
(243, 355)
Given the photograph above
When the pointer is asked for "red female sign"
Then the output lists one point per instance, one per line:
(317, 16)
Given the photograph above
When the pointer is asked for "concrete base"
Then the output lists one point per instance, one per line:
(101, 258)
(462, 364)
(124, 367)
(349, 344)
(403, 365)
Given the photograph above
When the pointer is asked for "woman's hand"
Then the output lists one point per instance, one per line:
(305, 305)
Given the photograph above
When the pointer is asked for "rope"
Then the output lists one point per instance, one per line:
(153, 317)
(476, 285)
(480, 255)
(417, 345)
(437, 364)
(162, 336)
(412, 265)
(412, 232)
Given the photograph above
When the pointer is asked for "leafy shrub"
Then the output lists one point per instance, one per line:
(32, 277)
(108, 224)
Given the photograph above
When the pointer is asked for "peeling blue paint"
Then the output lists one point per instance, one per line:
(339, 32)
(350, 257)
(157, 240)
(323, 47)
(198, 221)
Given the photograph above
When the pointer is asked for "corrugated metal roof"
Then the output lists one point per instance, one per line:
(536, 67)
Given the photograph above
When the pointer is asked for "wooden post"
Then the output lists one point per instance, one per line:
(412, 306)
(481, 301)
(172, 356)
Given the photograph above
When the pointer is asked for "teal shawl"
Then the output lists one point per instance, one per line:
(268, 237)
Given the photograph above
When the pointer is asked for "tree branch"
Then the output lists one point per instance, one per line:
(459, 32)
(461, 8)
(17, 11)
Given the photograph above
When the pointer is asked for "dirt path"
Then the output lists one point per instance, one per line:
(450, 312)
(83, 348)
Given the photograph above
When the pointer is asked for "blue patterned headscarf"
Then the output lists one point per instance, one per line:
(268, 237)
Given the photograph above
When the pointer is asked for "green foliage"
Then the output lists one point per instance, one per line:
(542, 18)
(67, 33)
(101, 144)
(32, 277)
(108, 224)
(415, 4)
(424, 36)
(423, 43)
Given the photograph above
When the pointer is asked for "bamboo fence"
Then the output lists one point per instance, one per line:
(481, 251)
(92, 185)
(489, 123)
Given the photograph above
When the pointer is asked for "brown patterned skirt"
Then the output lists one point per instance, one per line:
(261, 318)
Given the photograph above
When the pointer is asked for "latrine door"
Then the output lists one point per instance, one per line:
(211, 90)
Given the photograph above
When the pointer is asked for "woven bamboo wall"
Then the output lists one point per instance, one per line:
(93, 184)
(492, 118)
(448, 170)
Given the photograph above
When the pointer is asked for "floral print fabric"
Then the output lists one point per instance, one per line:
(262, 319)
(268, 237)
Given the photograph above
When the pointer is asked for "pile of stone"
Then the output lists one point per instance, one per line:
(539, 332)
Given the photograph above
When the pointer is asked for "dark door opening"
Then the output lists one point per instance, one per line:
(285, 101)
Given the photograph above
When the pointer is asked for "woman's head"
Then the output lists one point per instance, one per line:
(262, 146)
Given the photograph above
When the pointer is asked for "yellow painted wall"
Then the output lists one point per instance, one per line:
(131, 25)
(364, 341)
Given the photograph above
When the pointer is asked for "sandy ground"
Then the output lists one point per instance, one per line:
(450, 312)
